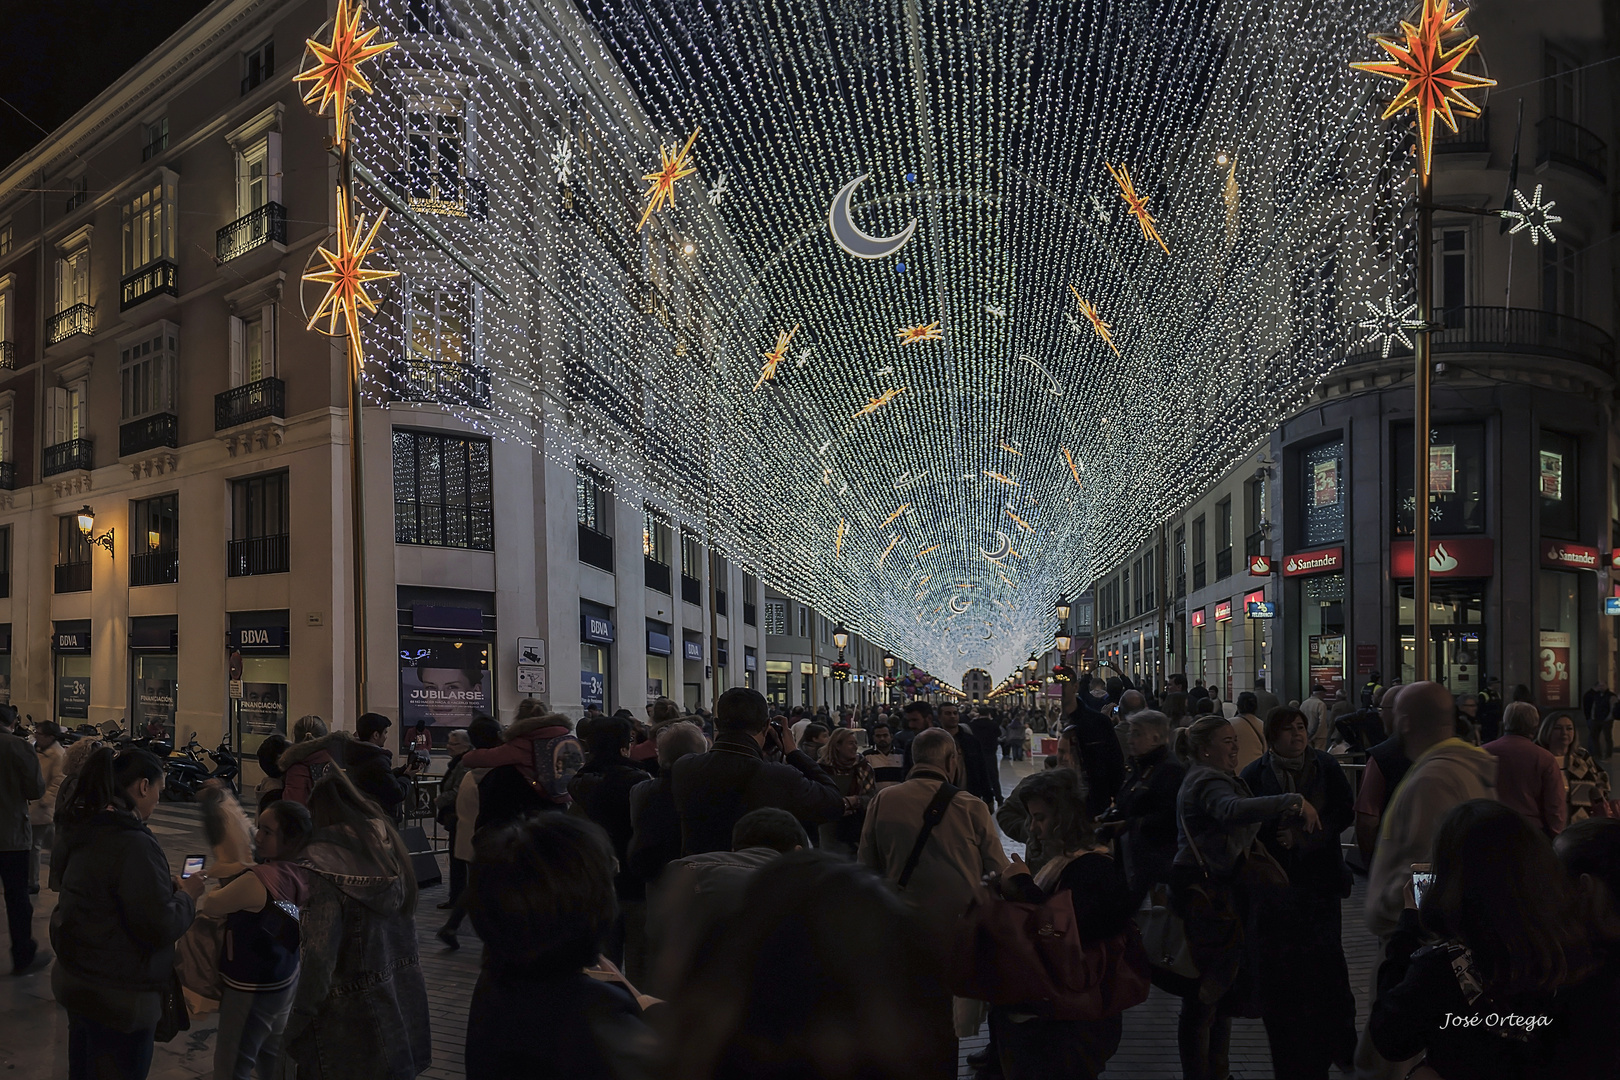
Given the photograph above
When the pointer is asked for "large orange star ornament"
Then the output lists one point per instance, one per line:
(775, 356)
(337, 65)
(878, 402)
(1431, 84)
(910, 335)
(346, 276)
(1104, 330)
(1136, 204)
(674, 167)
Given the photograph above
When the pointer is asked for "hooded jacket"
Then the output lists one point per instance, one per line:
(361, 1010)
(518, 747)
(305, 762)
(1449, 773)
(116, 922)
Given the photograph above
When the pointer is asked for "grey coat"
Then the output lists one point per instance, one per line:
(1222, 817)
(361, 1010)
(20, 781)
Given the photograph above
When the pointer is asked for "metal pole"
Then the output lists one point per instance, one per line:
(357, 507)
(1420, 432)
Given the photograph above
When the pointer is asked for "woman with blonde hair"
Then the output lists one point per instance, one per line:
(314, 752)
(1585, 783)
(850, 770)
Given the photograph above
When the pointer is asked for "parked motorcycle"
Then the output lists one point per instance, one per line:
(185, 772)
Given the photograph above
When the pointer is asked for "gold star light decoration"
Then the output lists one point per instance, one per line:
(1136, 204)
(674, 167)
(337, 65)
(775, 357)
(878, 402)
(1104, 330)
(910, 335)
(1431, 82)
(346, 276)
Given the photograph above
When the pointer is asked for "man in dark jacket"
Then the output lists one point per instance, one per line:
(987, 733)
(371, 766)
(20, 781)
(601, 792)
(1100, 757)
(712, 791)
(655, 837)
(1146, 804)
(971, 772)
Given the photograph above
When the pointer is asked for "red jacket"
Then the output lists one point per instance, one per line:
(1529, 780)
(518, 749)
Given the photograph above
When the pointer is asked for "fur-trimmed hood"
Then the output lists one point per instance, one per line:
(336, 743)
(531, 724)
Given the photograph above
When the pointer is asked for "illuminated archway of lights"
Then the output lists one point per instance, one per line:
(933, 444)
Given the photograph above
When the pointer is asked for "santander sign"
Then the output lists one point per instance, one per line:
(1557, 553)
(1313, 562)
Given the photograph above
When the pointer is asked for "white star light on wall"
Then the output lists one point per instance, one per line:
(1387, 325)
(1534, 215)
(642, 356)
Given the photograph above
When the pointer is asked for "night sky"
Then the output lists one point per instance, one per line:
(56, 57)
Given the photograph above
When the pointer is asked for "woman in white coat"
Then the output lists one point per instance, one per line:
(42, 811)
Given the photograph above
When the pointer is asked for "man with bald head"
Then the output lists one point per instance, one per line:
(1445, 772)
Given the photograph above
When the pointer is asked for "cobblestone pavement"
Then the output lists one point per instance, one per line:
(33, 1034)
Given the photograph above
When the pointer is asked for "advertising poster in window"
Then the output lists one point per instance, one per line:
(1553, 675)
(445, 684)
(154, 705)
(1325, 653)
(1552, 475)
(1325, 483)
(592, 686)
(73, 697)
(1443, 470)
(262, 711)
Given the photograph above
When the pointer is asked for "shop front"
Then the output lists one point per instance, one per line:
(258, 670)
(692, 673)
(446, 675)
(659, 647)
(1558, 641)
(778, 679)
(1223, 647)
(154, 672)
(595, 656)
(1461, 569)
(1315, 589)
(1200, 662)
(70, 653)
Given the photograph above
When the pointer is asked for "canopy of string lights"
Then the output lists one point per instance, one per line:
(928, 311)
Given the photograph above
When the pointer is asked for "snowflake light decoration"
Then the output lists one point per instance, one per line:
(1432, 82)
(718, 191)
(562, 160)
(1386, 325)
(1534, 215)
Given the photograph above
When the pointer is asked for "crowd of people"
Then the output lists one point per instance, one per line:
(758, 894)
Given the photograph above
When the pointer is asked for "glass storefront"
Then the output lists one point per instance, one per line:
(445, 683)
(778, 677)
(70, 642)
(1321, 633)
(154, 672)
(259, 669)
(5, 663)
(659, 646)
(1559, 642)
(1456, 634)
(595, 656)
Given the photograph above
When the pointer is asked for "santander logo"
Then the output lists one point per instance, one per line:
(1442, 561)
(1577, 555)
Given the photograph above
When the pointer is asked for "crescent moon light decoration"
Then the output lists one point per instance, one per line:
(1002, 550)
(847, 235)
(959, 605)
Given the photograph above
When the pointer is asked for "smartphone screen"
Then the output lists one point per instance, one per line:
(194, 865)
(1422, 880)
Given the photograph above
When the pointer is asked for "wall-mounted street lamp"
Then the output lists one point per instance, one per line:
(87, 526)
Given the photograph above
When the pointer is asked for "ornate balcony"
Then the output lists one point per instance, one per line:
(8, 476)
(1509, 330)
(67, 456)
(72, 577)
(149, 433)
(445, 382)
(1471, 137)
(252, 401)
(1564, 142)
(160, 279)
(8, 355)
(266, 225)
(159, 566)
(257, 555)
(78, 319)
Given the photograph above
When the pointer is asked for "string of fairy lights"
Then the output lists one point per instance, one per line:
(1099, 248)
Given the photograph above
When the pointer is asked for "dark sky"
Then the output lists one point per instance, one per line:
(56, 56)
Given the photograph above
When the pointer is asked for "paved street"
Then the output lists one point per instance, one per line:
(33, 1039)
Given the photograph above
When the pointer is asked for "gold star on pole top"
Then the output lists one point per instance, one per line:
(775, 357)
(1136, 204)
(1104, 330)
(674, 167)
(337, 65)
(910, 335)
(346, 275)
(1432, 85)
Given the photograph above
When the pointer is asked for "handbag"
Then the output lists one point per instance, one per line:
(1031, 955)
(1164, 935)
(172, 1020)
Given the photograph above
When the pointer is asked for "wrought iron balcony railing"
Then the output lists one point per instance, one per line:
(78, 319)
(72, 577)
(1471, 137)
(446, 382)
(1567, 143)
(159, 566)
(657, 576)
(8, 355)
(691, 590)
(67, 456)
(257, 555)
(149, 433)
(249, 402)
(161, 278)
(1510, 330)
(595, 549)
(266, 225)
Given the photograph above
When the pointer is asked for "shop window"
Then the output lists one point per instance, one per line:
(1457, 634)
(443, 491)
(258, 674)
(1456, 479)
(154, 675)
(778, 675)
(1558, 485)
(1323, 496)
(1559, 643)
(444, 683)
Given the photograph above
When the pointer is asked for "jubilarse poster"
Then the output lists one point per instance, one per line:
(445, 684)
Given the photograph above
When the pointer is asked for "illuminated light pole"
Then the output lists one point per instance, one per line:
(840, 669)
